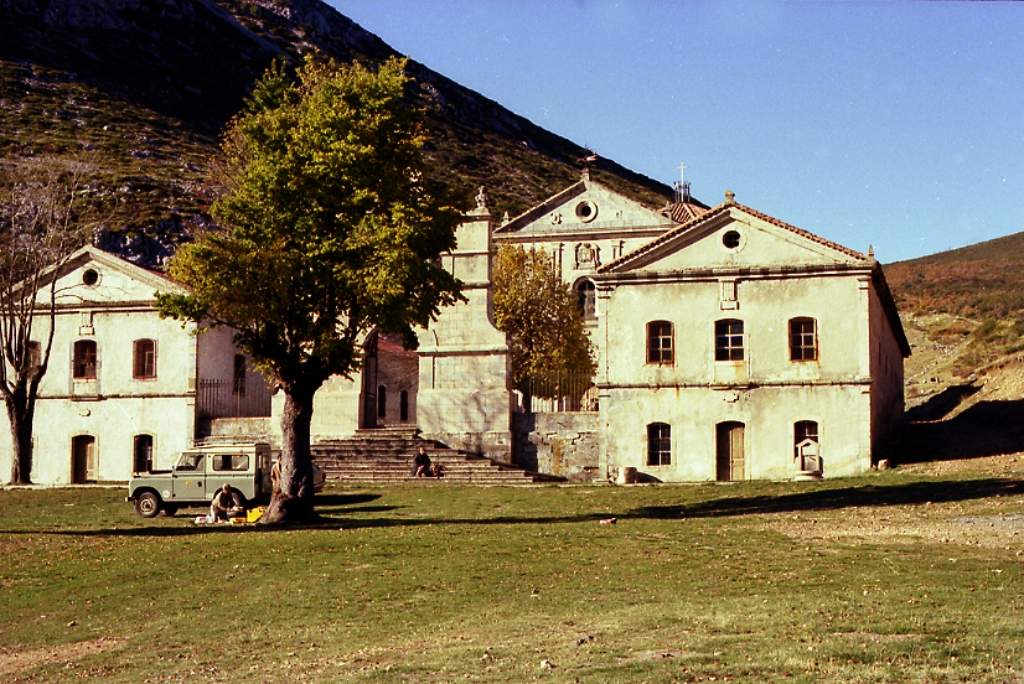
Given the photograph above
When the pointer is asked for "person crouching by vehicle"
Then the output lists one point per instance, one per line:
(226, 504)
(421, 464)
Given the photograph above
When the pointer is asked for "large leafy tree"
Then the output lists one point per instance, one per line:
(328, 229)
(547, 340)
(44, 218)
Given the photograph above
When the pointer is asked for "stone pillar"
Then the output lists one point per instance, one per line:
(463, 398)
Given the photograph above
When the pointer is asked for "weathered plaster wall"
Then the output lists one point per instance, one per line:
(887, 398)
(766, 390)
(114, 407)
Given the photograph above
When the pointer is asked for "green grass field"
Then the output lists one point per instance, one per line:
(897, 576)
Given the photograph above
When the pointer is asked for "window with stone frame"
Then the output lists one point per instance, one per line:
(660, 347)
(83, 361)
(144, 362)
(586, 299)
(659, 444)
(803, 339)
(729, 340)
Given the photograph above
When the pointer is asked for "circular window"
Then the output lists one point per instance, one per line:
(90, 277)
(731, 239)
(586, 211)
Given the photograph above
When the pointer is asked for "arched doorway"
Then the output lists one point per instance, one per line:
(83, 459)
(730, 461)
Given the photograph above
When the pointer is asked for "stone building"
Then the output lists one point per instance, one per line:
(736, 346)
(126, 390)
(730, 345)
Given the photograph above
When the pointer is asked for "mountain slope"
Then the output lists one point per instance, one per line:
(984, 280)
(964, 314)
(143, 87)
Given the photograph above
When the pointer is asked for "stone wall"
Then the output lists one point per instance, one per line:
(562, 444)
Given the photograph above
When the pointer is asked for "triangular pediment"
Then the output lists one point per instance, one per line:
(584, 207)
(92, 276)
(735, 236)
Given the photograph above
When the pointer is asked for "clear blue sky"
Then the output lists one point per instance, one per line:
(895, 124)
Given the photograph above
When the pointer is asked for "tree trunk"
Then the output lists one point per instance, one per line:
(293, 499)
(20, 418)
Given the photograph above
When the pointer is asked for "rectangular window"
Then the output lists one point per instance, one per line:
(803, 340)
(659, 444)
(729, 340)
(144, 365)
(231, 462)
(659, 342)
(83, 365)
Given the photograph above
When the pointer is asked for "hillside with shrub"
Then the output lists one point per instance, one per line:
(142, 90)
(964, 314)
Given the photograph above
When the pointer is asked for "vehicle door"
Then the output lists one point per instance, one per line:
(189, 477)
(234, 469)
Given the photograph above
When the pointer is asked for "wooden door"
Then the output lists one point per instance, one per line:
(83, 459)
(729, 451)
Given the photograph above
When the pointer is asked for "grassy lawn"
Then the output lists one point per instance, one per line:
(907, 575)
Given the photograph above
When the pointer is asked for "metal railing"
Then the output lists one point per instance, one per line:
(222, 399)
(559, 393)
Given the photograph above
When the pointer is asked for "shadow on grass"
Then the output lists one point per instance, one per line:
(846, 497)
(815, 500)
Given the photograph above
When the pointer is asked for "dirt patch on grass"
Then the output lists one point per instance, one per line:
(17, 662)
(938, 524)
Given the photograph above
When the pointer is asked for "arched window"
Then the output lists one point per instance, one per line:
(382, 401)
(144, 364)
(803, 339)
(403, 405)
(142, 453)
(659, 444)
(586, 299)
(729, 340)
(83, 365)
(659, 342)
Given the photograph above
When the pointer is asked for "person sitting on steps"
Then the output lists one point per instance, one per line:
(421, 464)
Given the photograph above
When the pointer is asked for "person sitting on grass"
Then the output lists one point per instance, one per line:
(421, 464)
(226, 504)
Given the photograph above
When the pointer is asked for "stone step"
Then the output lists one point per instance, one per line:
(385, 455)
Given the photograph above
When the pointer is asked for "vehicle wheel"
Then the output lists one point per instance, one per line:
(170, 509)
(241, 497)
(147, 504)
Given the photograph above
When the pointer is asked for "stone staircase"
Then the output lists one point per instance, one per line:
(384, 456)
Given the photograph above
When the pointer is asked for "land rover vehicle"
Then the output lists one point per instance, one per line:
(199, 473)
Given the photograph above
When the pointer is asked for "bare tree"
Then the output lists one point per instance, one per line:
(43, 205)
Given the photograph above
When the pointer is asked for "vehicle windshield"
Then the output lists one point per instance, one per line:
(190, 462)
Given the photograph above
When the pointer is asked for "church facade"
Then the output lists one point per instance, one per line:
(730, 344)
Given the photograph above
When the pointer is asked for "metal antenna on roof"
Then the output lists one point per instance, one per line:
(682, 186)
